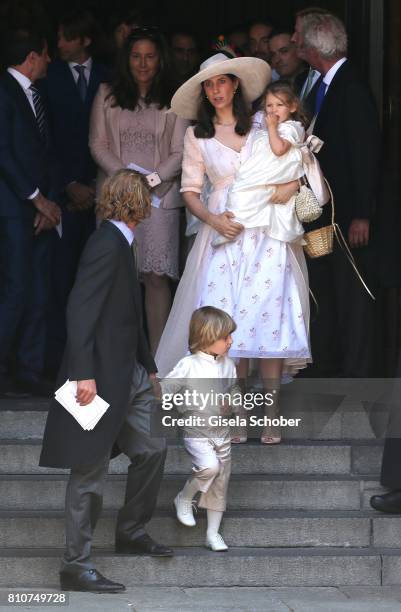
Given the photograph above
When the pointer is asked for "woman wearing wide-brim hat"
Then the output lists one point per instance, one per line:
(260, 281)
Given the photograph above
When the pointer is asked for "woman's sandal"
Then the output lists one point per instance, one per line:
(268, 439)
(239, 439)
(239, 435)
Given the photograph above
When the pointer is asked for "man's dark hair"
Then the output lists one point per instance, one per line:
(267, 22)
(79, 24)
(19, 43)
(183, 31)
(129, 16)
(281, 32)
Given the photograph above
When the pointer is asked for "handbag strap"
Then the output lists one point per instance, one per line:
(343, 243)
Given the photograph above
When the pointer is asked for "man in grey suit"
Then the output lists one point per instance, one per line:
(107, 353)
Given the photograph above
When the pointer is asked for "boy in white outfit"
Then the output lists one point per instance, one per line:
(208, 370)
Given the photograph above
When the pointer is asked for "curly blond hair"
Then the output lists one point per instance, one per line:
(207, 325)
(125, 196)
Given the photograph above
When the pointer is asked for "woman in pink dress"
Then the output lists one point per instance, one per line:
(131, 126)
(259, 280)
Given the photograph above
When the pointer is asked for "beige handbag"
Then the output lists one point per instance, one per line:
(306, 205)
(319, 242)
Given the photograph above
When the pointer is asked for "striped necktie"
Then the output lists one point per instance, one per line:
(81, 82)
(39, 112)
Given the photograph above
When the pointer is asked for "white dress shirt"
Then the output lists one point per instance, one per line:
(329, 76)
(87, 72)
(124, 229)
(25, 84)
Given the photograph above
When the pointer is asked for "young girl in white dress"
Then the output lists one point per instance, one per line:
(260, 281)
(275, 158)
(207, 370)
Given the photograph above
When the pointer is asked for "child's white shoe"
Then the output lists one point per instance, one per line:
(215, 542)
(184, 511)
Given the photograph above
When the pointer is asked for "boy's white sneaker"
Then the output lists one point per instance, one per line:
(184, 511)
(215, 542)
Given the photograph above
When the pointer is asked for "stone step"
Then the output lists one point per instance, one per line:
(252, 458)
(251, 493)
(240, 529)
(28, 404)
(200, 567)
(347, 422)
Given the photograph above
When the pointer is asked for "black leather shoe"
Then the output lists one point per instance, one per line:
(144, 545)
(89, 580)
(389, 502)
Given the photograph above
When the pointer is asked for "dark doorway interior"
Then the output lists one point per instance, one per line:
(374, 36)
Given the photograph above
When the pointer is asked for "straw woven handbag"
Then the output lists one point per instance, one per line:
(319, 242)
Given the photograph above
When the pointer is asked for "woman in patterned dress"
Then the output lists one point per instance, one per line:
(259, 280)
(130, 125)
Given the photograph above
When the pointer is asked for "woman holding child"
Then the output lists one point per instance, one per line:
(255, 274)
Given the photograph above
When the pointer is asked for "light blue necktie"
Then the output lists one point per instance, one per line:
(306, 89)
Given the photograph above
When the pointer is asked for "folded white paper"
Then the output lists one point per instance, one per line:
(59, 228)
(87, 416)
(155, 200)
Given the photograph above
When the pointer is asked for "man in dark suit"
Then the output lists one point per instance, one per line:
(107, 353)
(346, 120)
(27, 177)
(70, 88)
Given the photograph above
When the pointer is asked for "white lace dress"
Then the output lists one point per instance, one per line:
(260, 281)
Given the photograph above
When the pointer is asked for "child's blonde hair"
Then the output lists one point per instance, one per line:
(125, 197)
(207, 325)
(285, 92)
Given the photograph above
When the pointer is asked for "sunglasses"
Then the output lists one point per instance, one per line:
(152, 31)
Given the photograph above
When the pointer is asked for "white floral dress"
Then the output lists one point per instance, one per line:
(260, 281)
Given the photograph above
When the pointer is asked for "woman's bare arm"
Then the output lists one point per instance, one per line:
(221, 223)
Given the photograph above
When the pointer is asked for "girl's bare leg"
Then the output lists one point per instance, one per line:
(270, 372)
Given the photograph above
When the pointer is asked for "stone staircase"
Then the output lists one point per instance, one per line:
(298, 513)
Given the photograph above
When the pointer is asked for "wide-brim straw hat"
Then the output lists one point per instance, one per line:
(253, 72)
